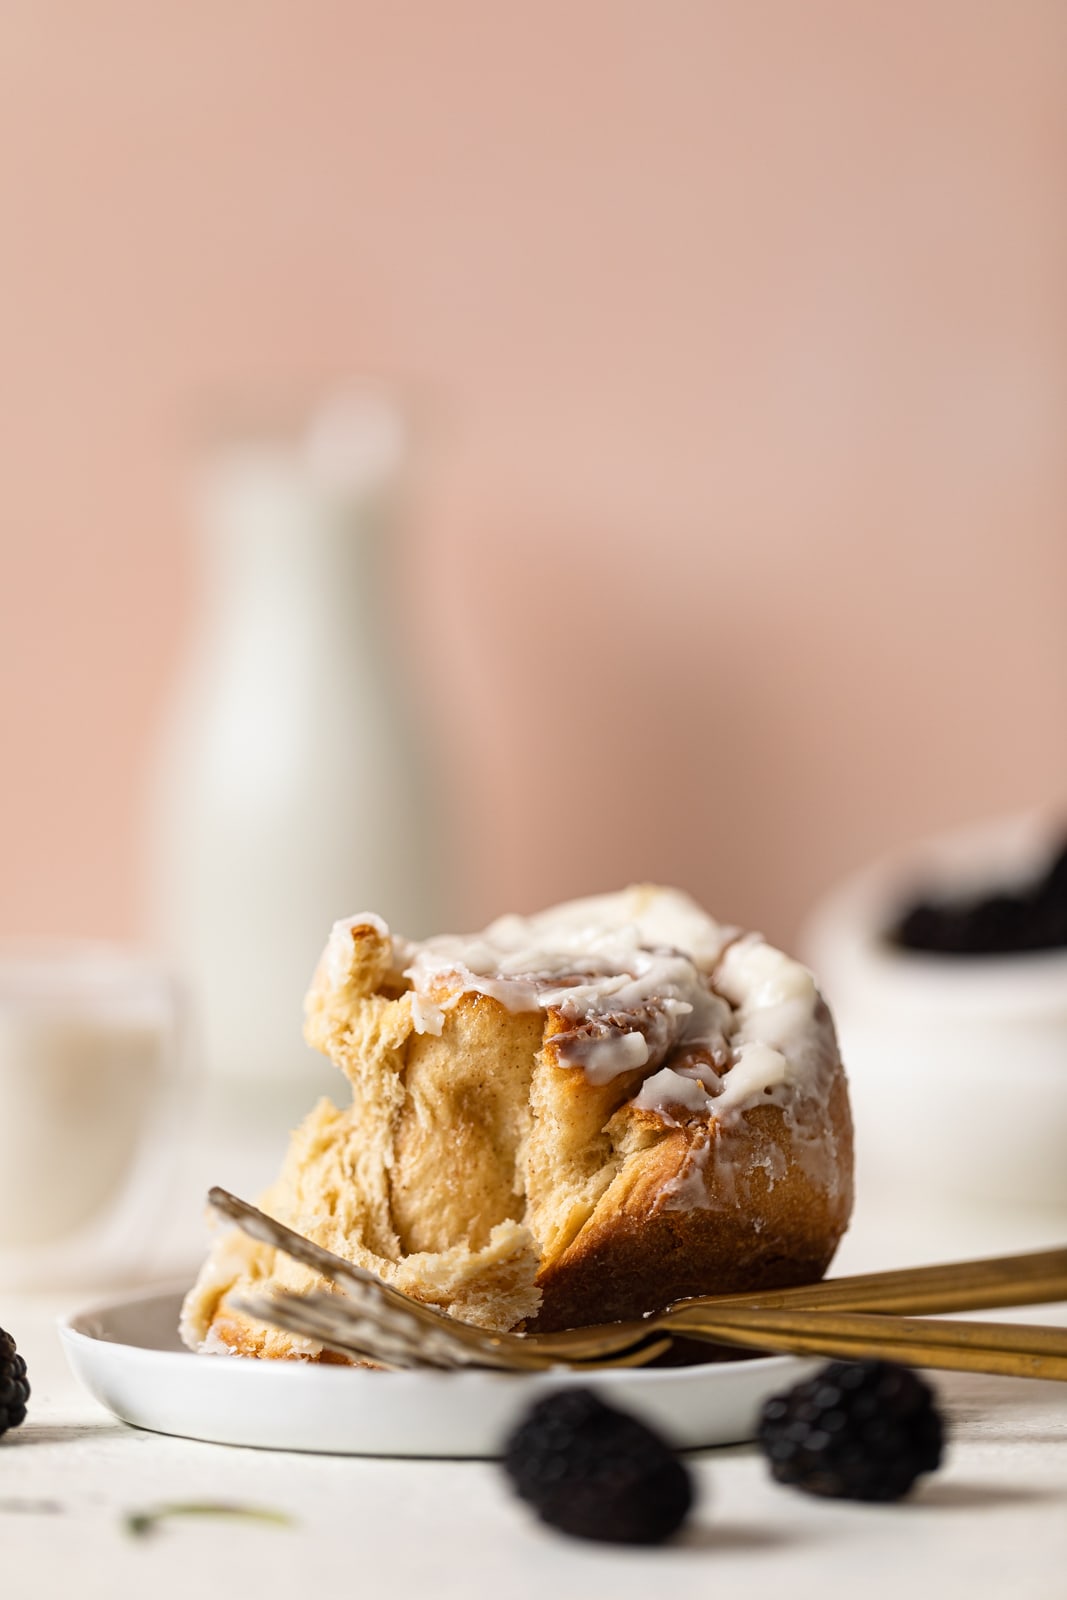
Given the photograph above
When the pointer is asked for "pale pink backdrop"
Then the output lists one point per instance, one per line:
(739, 342)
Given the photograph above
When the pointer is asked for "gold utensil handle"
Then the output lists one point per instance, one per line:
(1036, 1278)
(1013, 1350)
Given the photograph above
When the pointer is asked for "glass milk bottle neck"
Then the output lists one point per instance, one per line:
(276, 542)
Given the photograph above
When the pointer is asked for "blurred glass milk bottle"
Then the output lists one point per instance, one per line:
(287, 790)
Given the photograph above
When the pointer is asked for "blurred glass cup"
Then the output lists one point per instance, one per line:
(93, 1086)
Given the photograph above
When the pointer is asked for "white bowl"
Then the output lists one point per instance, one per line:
(957, 1064)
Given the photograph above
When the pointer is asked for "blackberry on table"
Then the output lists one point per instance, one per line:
(14, 1389)
(597, 1473)
(857, 1430)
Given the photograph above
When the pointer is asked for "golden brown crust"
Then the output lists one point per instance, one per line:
(767, 1223)
(238, 1336)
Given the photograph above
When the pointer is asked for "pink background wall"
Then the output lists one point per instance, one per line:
(739, 331)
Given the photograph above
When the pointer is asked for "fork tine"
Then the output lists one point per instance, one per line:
(288, 1312)
(351, 1334)
(374, 1331)
(266, 1230)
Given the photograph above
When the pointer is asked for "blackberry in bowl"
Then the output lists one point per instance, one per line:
(945, 965)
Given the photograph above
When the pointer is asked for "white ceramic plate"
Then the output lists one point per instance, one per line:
(128, 1356)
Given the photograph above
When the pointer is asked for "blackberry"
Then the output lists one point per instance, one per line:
(857, 1430)
(597, 1473)
(14, 1389)
(1033, 916)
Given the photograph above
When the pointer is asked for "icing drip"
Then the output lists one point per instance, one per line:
(669, 1089)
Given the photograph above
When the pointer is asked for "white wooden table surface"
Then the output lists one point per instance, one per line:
(992, 1523)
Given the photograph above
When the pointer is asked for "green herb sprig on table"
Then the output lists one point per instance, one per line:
(139, 1524)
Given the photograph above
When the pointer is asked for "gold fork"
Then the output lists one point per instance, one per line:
(377, 1322)
(389, 1338)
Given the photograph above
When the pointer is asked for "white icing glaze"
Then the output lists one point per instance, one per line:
(627, 974)
(427, 1017)
(784, 1038)
(639, 979)
(337, 957)
(756, 1069)
(603, 1059)
(666, 1089)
